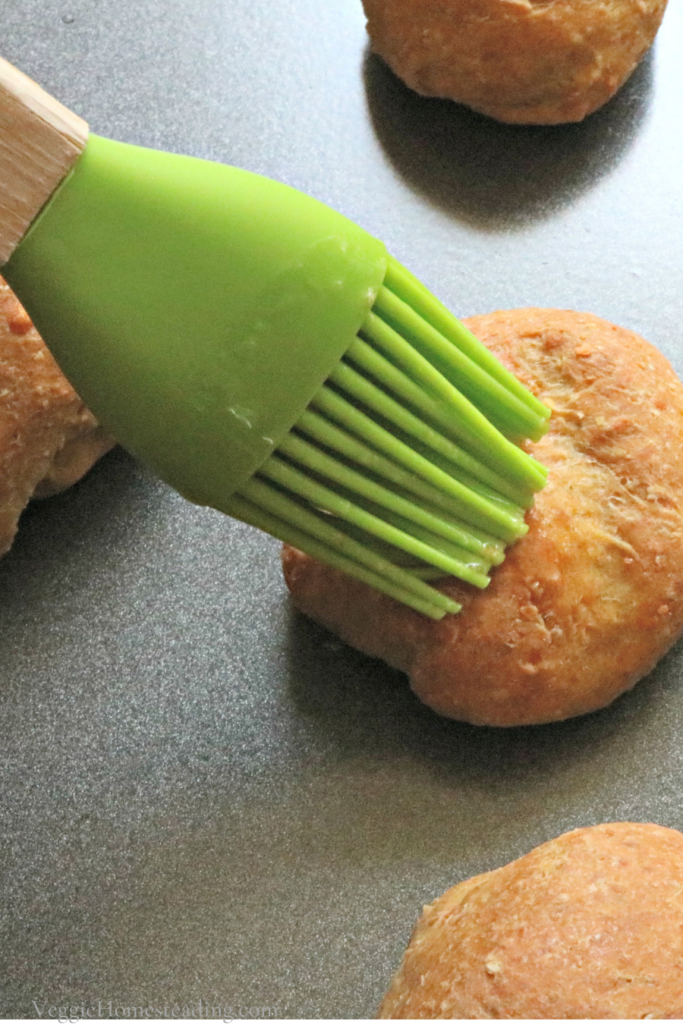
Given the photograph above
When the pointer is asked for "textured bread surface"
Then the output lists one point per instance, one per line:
(520, 61)
(588, 601)
(586, 926)
(48, 439)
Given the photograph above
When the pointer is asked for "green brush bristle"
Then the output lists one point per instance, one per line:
(402, 469)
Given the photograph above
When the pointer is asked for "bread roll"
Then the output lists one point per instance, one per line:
(48, 439)
(589, 925)
(588, 601)
(520, 61)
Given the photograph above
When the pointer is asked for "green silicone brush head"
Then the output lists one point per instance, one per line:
(269, 359)
(393, 474)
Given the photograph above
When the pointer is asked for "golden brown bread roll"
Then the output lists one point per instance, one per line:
(586, 926)
(591, 598)
(48, 439)
(520, 61)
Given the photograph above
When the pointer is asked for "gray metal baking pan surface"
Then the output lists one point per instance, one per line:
(203, 795)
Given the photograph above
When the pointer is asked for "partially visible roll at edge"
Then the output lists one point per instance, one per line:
(586, 926)
(48, 439)
(519, 61)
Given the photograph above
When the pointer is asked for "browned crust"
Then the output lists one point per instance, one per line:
(520, 61)
(591, 598)
(48, 439)
(588, 925)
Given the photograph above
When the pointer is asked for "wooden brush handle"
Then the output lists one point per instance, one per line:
(40, 140)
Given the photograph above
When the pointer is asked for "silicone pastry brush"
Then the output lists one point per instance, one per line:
(265, 355)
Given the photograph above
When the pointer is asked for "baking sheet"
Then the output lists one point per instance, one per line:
(203, 795)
